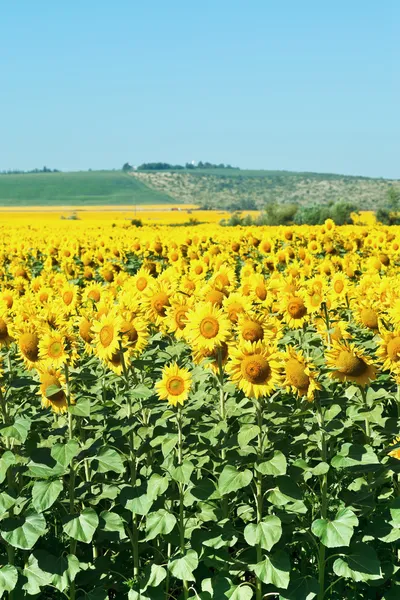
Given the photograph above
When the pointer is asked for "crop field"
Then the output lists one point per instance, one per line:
(201, 412)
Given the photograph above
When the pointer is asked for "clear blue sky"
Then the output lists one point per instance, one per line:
(273, 84)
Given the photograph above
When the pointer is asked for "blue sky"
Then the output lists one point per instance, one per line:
(261, 84)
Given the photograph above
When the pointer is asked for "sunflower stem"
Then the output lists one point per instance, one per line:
(259, 492)
(324, 501)
(10, 482)
(71, 491)
(327, 323)
(366, 419)
(132, 465)
(223, 419)
(181, 497)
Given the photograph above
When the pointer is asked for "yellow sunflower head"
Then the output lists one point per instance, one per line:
(174, 385)
(350, 363)
(300, 376)
(255, 369)
(207, 327)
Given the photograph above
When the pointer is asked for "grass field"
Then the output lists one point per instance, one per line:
(217, 188)
(80, 188)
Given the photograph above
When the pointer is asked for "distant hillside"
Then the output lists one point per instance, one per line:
(218, 188)
(221, 188)
(80, 188)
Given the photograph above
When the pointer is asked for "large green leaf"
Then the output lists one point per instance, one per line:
(64, 453)
(8, 579)
(35, 576)
(45, 493)
(108, 460)
(82, 527)
(300, 588)
(182, 567)
(276, 465)
(61, 569)
(81, 408)
(361, 564)
(111, 522)
(23, 532)
(355, 457)
(18, 430)
(6, 461)
(183, 473)
(232, 480)
(160, 522)
(265, 534)
(338, 532)
(274, 569)
(247, 432)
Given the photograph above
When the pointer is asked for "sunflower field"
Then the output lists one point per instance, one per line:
(199, 413)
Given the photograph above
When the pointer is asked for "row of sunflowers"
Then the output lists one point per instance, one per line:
(200, 413)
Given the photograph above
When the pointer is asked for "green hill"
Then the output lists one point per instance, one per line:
(226, 187)
(218, 188)
(80, 188)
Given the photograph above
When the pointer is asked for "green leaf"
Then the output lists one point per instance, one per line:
(157, 485)
(62, 569)
(45, 493)
(35, 576)
(300, 588)
(247, 433)
(338, 532)
(362, 564)
(81, 408)
(64, 453)
(140, 392)
(353, 455)
(156, 576)
(6, 461)
(160, 522)
(183, 473)
(265, 534)
(82, 527)
(277, 465)
(274, 569)
(168, 444)
(6, 502)
(8, 579)
(23, 532)
(241, 592)
(395, 511)
(183, 566)
(109, 460)
(18, 430)
(112, 522)
(140, 504)
(232, 480)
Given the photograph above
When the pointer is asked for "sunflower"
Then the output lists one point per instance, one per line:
(134, 333)
(389, 350)
(367, 316)
(256, 328)
(236, 304)
(254, 368)
(93, 292)
(207, 327)
(212, 358)
(68, 298)
(106, 332)
(5, 337)
(175, 321)
(142, 280)
(28, 346)
(295, 311)
(174, 384)
(52, 392)
(300, 376)
(157, 302)
(350, 363)
(52, 349)
(396, 452)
